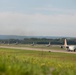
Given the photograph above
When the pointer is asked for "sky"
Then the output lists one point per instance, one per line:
(38, 17)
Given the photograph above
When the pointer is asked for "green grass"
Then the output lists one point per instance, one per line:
(26, 62)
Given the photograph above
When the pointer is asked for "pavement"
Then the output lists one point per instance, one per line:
(38, 49)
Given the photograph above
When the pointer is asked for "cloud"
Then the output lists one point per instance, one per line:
(36, 24)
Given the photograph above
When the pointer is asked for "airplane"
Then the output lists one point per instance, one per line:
(68, 47)
(33, 44)
(48, 44)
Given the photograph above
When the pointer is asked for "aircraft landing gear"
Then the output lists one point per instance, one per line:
(74, 50)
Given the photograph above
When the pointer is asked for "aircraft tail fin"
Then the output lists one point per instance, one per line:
(49, 43)
(65, 43)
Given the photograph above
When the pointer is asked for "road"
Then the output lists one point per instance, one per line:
(37, 49)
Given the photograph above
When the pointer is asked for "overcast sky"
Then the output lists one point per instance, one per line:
(38, 17)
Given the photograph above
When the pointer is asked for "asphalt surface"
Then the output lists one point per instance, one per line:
(38, 49)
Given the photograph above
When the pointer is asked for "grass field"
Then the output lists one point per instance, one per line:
(53, 47)
(25, 62)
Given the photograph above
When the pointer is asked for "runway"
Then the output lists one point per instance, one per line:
(38, 49)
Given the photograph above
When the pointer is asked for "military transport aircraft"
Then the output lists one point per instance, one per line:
(68, 47)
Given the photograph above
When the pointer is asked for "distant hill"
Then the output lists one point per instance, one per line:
(22, 37)
(11, 37)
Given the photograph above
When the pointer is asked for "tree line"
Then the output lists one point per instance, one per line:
(58, 41)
